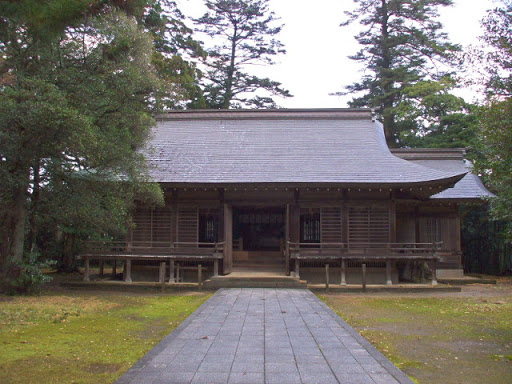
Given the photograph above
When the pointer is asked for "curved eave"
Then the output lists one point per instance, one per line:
(428, 185)
(295, 148)
(472, 200)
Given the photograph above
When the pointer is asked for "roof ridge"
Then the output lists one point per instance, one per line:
(263, 114)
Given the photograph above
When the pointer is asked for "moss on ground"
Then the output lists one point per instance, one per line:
(74, 337)
(437, 339)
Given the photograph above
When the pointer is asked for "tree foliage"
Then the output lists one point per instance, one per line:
(495, 134)
(75, 106)
(246, 33)
(495, 145)
(431, 117)
(498, 32)
(404, 53)
(175, 49)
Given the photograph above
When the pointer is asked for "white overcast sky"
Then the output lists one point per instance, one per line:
(316, 61)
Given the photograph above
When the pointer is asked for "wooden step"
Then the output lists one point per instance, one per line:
(257, 262)
(254, 282)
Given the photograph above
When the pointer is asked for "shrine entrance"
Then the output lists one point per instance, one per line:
(259, 237)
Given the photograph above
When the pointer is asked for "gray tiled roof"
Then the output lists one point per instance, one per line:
(449, 160)
(281, 146)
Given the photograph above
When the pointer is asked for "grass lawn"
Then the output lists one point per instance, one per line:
(438, 338)
(65, 336)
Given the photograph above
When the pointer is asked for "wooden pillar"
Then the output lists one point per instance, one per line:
(225, 228)
(392, 219)
(417, 233)
(327, 277)
(343, 272)
(174, 217)
(363, 267)
(216, 267)
(458, 239)
(127, 271)
(161, 272)
(344, 218)
(388, 273)
(178, 272)
(287, 239)
(102, 267)
(171, 271)
(434, 272)
(199, 277)
(114, 268)
(294, 227)
(87, 269)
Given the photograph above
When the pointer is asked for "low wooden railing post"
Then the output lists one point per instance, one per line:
(178, 272)
(161, 272)
(287, 259)
(434, 271)
(327, 277)
(216, 267)
(343, 277)
(114, 268)
(171, 271)
(87, 269)
(199, 277)
(363, 267)
(102, 267)
(388, 273)
(127, 271)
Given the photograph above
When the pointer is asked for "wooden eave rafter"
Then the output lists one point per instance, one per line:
(419, 190)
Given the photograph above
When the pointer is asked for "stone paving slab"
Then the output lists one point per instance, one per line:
(264, 336)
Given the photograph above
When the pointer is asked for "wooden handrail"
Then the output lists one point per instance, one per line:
(156, 248)
(362, 250)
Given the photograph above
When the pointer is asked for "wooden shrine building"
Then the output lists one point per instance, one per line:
(293, 191)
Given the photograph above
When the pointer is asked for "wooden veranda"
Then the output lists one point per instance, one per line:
(200, 254)
(363, 253)
(196, 253)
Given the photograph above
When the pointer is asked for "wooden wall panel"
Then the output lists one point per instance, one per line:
(331, 225)
(141, 232)
(369, 224)
(162, 226)
(188, 223)
(405, 228)
(152, 226)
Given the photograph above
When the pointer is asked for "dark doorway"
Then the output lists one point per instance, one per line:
(259, 229)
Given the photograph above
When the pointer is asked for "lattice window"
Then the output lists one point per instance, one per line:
(310, 225)
(208, 225)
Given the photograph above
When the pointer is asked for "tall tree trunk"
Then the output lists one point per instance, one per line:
(32, 235)
(386, 79)
(68, 259)
(228, 94)
(13, 234)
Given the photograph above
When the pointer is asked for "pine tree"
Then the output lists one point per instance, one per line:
(246, 32)
(403, 47)
(75, 105)
(175, 51)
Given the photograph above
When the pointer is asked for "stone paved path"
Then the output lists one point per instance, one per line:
(262, 336)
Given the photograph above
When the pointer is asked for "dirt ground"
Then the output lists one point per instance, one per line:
(444, 337)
